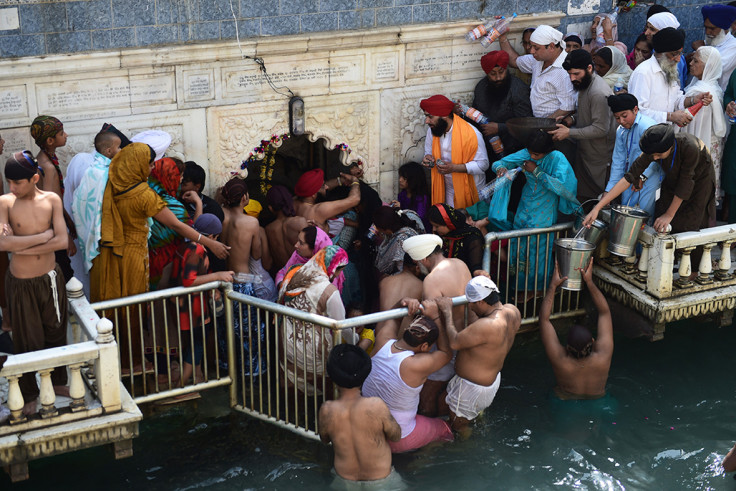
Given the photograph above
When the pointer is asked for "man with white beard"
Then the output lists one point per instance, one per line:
(655, 82)
(717, 20)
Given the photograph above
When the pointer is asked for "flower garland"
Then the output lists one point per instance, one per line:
(345, 148)
(266, 154)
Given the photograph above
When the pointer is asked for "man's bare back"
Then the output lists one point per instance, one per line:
(282, 235)
(358, 428)
(392, 289)
(319, 213)
(448, 279)
(495, 334)
(239, 231)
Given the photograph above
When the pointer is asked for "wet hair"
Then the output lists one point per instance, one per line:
(233, 191)
(416, 180)
(579, 341)
(310, 235)
(643, 37)
(194, 173)
(540, 142)
(605, 55)
(104, 140)
(408, 261)
(421, 330)
(493, 298)
(529, 30)
(387, 218)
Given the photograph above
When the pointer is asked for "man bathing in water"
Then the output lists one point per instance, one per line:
(581, 368)
(481, 350)
(358, 427)
(37, 306)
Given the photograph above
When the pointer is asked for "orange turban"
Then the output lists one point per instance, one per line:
(437, 105)
(493, 59)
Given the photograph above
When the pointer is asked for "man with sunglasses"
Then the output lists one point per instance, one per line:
(655, 82)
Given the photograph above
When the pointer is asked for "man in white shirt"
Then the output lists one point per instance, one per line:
(552, 94)
(655, 82)
(461, 173)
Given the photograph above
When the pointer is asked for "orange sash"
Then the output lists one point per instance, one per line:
(464, 146)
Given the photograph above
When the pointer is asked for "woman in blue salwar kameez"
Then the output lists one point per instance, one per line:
(550, 187)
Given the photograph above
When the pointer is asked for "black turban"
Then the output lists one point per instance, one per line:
(657, 139)
(668, 39)
(574, 38)
(21, 165)
(656, 9)
(622, 102)
(348, 366)
(124, 140)
(579, 59)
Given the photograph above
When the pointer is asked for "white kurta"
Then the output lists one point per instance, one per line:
(656, 97)
(727, 50)
(476, 167)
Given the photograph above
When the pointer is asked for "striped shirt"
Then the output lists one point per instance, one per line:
(551, 87)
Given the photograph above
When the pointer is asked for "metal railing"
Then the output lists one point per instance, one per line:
(290, 347)
(163, 334)
(521, 263)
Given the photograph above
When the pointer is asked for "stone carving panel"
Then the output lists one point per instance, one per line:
(13, 106)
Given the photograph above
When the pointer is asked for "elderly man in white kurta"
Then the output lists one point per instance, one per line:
(717, 20)
(656, 85)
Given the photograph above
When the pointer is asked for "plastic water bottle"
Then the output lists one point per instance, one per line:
(498, 183)
(473, 114)
(619, 85)
(479, 31)
(599, 36)
(500, 27)
(732, 119)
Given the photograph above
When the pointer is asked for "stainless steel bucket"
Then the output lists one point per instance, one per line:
(572, 257)
(597, 230)
(626, 222)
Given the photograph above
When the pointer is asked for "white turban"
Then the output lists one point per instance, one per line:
(421, 246)
(158, 140)
(662, 20)
(544, 35)
(479, 288)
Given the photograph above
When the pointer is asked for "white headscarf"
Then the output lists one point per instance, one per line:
(619, 67)
(710, 121)
(158, 140)
(544, 35)
(663, 19)
(479, 288)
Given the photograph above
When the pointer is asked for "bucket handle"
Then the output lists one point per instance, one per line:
(638, 198)
(580, 206)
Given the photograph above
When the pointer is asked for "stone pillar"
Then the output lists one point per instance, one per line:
(107, 368)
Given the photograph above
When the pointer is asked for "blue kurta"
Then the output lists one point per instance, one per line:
(551, 187)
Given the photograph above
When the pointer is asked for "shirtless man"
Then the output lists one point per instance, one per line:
(445, 278)
(581, 368)
(307, 188)
(37, 306)
(48, 133)
(358, 427)
(481, 350)
(392, 290)
(284, 230)
(400, 369)
(239, 231)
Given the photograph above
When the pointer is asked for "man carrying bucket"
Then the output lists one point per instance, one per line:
(687, 193)
(632, 124)
(581, 367)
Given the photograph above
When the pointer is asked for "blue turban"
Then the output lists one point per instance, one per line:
(721, 16)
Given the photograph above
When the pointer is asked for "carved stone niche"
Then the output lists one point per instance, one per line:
(234, 132)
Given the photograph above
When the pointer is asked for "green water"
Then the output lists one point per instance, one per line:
(674, 422)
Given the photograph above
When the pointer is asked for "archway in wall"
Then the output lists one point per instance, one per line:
(283, 160)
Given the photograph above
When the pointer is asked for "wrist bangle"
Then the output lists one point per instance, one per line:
(355, 183)
(339, 183)
(200, 236)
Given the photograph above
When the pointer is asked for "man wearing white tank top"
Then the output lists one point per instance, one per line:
(400, 368)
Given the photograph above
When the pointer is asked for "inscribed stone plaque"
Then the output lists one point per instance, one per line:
(153, 90)
(428, 62)
(386, 67)
(199, 85)
(13, 106)
(85, 98)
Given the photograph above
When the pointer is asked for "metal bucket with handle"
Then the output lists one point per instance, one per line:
(572, 258)
(626, 222)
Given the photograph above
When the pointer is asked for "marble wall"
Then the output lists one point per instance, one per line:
(359, 88)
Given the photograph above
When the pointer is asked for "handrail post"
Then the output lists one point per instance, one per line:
(660, 262)
(107, 368)
(230, 336)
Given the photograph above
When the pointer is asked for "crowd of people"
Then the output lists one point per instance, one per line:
(129, 218)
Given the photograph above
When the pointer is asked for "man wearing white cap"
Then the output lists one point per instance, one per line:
(445, 278)
(581, 367)
(481, 350)
(158, 140)
(552, 94)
